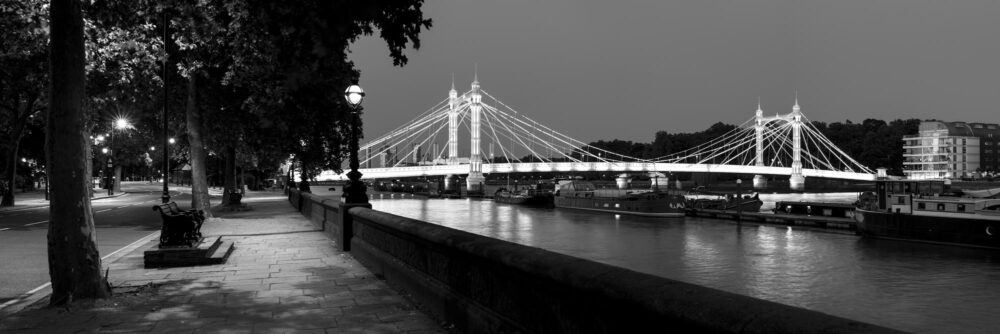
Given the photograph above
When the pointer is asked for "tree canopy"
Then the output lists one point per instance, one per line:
(261, 79)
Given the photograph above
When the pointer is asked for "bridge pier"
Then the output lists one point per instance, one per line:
(759, 182)
(623, 181)
(450, 181)
(797, 182)
(474, 183)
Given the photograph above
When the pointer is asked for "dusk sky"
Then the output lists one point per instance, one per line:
(626, 69)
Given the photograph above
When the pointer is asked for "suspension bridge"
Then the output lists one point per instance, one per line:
(428, 145)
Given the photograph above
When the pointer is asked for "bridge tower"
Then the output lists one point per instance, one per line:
(759, 181)
(797, 181)
(453, 124)
(475, 180)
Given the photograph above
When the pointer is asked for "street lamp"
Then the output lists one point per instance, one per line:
(166, 89)
(739, 202)
(120, 124)
(354, 190)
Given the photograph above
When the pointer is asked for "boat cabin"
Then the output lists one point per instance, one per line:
(928, 197)
(569, 185)
(897, 195)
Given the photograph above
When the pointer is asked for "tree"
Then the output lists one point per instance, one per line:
(263, 78)
(276, 91)
(665, 143)
(74, 261)
(23, 81)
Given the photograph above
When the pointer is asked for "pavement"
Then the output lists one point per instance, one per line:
(285, 276)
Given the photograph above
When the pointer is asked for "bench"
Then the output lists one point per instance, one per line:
(180, 228)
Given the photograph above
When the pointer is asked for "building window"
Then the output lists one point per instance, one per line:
(961, 208)
(900, 200)
(940, 207)
(921, 206)
(963, 141)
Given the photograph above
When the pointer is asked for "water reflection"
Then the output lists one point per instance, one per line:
(908, 286)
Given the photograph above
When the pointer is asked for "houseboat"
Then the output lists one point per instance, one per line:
(537, 195)
(576, 194)
(723, 201)
(807, 208)
(927, 211)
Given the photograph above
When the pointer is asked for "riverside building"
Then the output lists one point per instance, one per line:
(951, 150)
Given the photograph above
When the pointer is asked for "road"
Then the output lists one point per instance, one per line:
(120, 221)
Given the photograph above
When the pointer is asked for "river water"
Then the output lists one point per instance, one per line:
(903, 285)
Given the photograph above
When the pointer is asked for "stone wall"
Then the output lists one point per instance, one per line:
(484, 285)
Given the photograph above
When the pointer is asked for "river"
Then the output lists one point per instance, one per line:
(903, 285)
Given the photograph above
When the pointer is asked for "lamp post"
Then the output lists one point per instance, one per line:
(354, 191)
(149, 163)
(109, 171)
(166, 89)
(120, 124)
(100, 164)
(739, 202)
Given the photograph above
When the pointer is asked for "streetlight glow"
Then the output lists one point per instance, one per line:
(104, 150)
(152, 148)
(354, 95)
(121, 123)
(171, 140)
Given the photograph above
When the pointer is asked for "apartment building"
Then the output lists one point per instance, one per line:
(951, 150)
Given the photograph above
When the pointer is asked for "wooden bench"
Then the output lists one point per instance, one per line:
(180, 228)
(199, 215)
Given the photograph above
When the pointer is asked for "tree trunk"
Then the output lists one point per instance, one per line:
(229, 183)
(200, 199)
(117, 177)
(304, 183)
(74, 261)
(7, 193)
(8, 190)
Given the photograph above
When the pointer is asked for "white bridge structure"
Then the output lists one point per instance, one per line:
(514, 143)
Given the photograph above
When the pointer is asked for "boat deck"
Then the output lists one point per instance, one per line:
(840, 223)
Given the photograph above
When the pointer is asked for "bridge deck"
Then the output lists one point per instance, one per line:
(461, 169)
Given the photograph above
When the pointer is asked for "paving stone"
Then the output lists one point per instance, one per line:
(275, 283)
(279, 293)
(272, 328)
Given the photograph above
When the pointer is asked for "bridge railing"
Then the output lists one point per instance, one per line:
(636, 167)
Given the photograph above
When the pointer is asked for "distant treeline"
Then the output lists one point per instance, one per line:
(872, 142)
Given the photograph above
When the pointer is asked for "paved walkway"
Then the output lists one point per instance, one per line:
(285, 276)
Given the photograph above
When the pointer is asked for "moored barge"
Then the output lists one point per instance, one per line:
(926, 211)
(651, 203)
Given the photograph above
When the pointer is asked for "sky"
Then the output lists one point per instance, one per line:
(626, 69)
